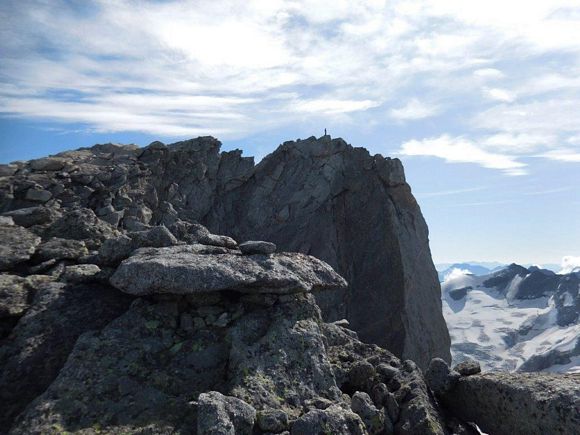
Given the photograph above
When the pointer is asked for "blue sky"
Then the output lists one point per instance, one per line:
(479, 99)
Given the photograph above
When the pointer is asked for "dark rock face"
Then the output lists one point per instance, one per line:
(317, 196)
(508, 403)
(121, 313)
(459, 293)
(356, 212)
(502, 278)
(38, 346)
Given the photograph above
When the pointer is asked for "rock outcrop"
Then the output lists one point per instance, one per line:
(320, 197)
(514, 404)
(220, 343)
(189, 269)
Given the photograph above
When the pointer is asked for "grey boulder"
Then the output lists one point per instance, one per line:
(272, 420)
(440, 377)
(62, 249)
(185, 270)
(224, 415)
(29, 216)
(218, 240)
(82, 224)
(114, 250)
(78, 273)
(373, 418)
(17, 245)
(332, 420)
(257, 247)
(518, 404)
(38, 194)
(47, 164)
(468, 367)
(13, 295)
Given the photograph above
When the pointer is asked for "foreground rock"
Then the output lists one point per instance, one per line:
(143, 370)
(514, 404)
(187, 270)
(225, 344)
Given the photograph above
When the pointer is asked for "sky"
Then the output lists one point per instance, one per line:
(480, 100)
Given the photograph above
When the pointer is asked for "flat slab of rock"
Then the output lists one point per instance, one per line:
(47, 164)
(190, 269)
(29, 216)
(17, 245)
(62, 249)
(257, 247)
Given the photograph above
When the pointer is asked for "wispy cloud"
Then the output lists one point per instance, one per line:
(449, 192)
(562, 155)
(499, 94)
(482, 203)
(549, 191)
(185, 67)
(414, 109)
(461, 150)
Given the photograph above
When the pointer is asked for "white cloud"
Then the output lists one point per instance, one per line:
(562, 155)
(534, 117)
(517, 143)
(461, 150)
(570, 264)
(455, 273)
(499, 94)
(414, 109)
(449, 192)
(488, 74)
(334, 106)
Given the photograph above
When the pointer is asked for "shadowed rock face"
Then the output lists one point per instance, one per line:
(317, 196)
(356, 212)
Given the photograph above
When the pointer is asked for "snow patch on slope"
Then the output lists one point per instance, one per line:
(502, 332)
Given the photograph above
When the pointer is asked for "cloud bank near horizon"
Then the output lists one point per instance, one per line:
(497, 83)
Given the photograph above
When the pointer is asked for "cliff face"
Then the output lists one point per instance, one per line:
(317, 196)
(356, 212)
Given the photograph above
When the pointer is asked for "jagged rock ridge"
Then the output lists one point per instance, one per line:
(317, 196)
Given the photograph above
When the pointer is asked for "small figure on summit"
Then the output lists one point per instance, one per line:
(325, 131)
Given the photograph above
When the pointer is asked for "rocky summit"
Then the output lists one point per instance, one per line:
(174, 289)
(320, 197)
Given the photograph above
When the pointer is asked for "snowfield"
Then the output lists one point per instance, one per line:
(504, 332)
